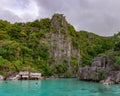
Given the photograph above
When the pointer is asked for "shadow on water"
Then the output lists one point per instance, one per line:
(105, 90)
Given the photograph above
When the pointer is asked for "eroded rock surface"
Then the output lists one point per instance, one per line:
(61, 48)
(102, 70)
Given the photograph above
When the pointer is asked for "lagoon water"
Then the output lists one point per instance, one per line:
(57, 87)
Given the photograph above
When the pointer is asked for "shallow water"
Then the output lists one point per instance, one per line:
(57, 87)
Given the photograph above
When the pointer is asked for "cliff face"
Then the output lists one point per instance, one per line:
(50, 46)
(60, 42)
(61, 48)
(103, 70)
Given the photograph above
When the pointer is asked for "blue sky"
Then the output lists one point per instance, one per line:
(99, 16)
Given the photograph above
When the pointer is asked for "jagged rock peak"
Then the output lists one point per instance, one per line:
(59, 17)
(58, 23)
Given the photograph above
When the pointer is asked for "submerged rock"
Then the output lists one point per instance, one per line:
(102, 70)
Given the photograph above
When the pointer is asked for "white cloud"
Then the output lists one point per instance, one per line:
(99, 16)
(25, 10)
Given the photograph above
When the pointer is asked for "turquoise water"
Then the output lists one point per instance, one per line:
(57, 87)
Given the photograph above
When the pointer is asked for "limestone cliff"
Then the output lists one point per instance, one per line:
(61, 48)
(103, 70)
(50, 46)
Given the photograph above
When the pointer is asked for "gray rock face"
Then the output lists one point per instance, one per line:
(61, 48)
(102, 70)
(118, 77)
(92, 73)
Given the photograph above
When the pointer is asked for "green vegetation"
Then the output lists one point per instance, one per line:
(25, 46)
(1, 60)
(117, 59)
(101, 75)
(61, 68)
(90, 44)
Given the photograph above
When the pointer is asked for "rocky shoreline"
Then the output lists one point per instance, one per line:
(26, 75)
(23, 75)
(102, 70)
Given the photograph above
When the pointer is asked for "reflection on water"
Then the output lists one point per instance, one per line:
(57, 87)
